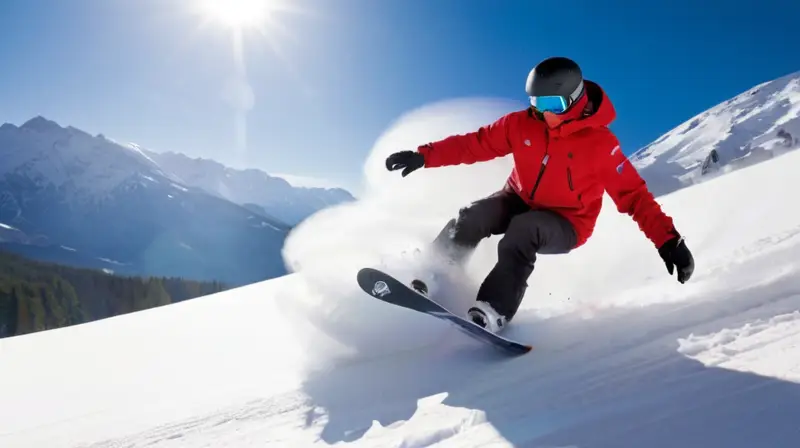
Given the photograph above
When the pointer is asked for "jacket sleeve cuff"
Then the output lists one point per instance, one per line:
(663, 237)
(425, 150)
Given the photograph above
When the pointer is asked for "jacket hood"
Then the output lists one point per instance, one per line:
(599, 113)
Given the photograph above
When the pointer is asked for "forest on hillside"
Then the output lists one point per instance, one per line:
(36, 296)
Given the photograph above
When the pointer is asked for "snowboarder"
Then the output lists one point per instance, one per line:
(565, 158)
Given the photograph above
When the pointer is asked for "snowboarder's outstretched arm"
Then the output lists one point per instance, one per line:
(629, 192)
(487, 143)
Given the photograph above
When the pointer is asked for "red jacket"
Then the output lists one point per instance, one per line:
(564, 168)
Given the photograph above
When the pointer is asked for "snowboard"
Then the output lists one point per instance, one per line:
(390, 290)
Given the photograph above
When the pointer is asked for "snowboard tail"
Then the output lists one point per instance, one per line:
(390, 290)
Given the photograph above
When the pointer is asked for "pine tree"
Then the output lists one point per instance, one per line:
(8, 312)
(155, 294)
(36, 296)
(24, 322)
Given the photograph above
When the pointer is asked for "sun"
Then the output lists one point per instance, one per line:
(237, 18)
(239, 14)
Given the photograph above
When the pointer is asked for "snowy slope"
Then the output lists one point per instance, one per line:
(85, 200)
(758, 124)
(253, 188)
(624, 355)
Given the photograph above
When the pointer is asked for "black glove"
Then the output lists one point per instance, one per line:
(676, 255)
(407, 160)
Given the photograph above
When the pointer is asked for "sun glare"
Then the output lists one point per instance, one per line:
(238, 13)
(237, 17)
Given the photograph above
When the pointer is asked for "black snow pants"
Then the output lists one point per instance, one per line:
(525, 233)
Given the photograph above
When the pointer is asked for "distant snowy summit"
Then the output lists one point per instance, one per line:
(251, 187)
(757, 125)
(70, 197)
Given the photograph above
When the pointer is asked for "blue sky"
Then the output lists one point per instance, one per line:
(146, 71)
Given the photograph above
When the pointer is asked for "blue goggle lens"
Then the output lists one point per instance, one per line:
(554, 104)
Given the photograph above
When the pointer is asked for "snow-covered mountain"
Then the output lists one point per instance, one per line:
(85, 200)
(252, 188)
(757, 125)
(624, 356)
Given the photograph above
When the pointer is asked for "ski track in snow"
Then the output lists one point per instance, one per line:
(623, 356)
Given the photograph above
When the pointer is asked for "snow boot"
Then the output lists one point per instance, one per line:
(483, 315)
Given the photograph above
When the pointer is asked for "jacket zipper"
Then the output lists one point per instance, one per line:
(543, 166)
(539, 177)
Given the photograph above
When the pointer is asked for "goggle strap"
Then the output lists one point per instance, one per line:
(575, 94)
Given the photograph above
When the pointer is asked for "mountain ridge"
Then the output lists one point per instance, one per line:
(274, 194)
(87, 201)
(758, 124)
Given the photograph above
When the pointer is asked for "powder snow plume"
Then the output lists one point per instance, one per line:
(394, 216)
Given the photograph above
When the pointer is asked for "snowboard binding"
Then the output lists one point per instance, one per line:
(419, 286)
(485, 316)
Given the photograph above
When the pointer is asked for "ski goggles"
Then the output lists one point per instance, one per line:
(557, 104)
(554, 104)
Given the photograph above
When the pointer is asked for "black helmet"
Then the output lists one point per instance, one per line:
(555, 77)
